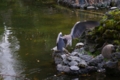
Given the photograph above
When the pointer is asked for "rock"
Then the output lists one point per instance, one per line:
(112, 8)
(79, 44)
(76, 63)
(102, 70)
(88, 69)
(63, 56)
(59, 67)
(63, 68)
(79, 47)
(73, 63)
(82, 63)
(115, 56)
(107, 50)
(111, 68)
(82, 51)
(91, 69)
(90, 7)
(85, 57)
(101, 65)
(77, 50)
(75, 58)
(75, 53)
(111, 64)
(75, 68)
(65, 61)
(58, 60)
(96, 60)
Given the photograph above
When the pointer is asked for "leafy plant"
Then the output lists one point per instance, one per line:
(108, 31)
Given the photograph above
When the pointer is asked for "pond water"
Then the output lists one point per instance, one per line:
(28, 31)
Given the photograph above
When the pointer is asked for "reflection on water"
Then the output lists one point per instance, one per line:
(93, 76)
(100, 76)
(10, 68)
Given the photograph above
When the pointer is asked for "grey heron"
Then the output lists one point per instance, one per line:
(76, 32)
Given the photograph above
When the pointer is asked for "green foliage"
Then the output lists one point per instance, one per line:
(109, 28)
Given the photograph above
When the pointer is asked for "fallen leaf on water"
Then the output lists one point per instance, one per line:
(38, 60)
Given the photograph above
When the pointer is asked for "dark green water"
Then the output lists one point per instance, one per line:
(30, 28)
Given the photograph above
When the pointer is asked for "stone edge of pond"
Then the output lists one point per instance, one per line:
(76, 5)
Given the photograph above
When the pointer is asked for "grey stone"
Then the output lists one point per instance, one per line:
(96, 60)
(63, 68)
(74, 67)
(73, 63)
